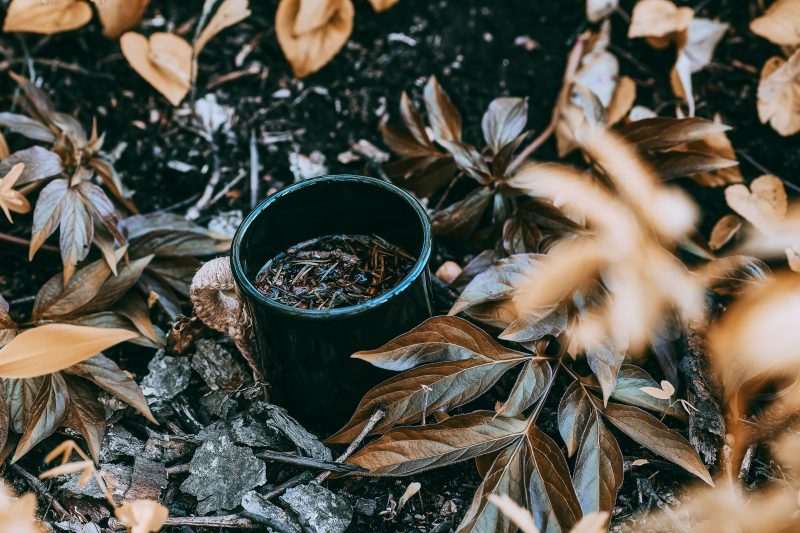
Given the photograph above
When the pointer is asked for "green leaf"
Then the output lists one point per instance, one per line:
(651, 433)
(408, 450)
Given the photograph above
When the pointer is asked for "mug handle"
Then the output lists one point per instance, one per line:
(217, 303)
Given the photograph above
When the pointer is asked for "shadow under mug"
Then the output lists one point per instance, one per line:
(304, 353)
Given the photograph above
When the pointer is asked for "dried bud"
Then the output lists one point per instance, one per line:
(448, 272)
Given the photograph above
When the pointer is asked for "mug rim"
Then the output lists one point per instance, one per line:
(244, 283)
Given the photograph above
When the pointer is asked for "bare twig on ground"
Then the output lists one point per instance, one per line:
(374, 419)
(255, 167)
(308, 462)
(37, 485)
(193, 213)
(5, 237)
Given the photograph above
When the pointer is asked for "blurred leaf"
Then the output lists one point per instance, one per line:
(164, 60)
(661, 132)
(117, 16)
(402, 452)
(229, 12)
(648, 431)
(779, 23)
(5, 421)
(26, 126)
(671, 165)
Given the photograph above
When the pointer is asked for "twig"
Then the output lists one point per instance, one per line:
(231, 520)
(373, 420)
(193, 213)
(573, 62)
(255, 167)
(39, 487)
(25, 242)
(308, 462)
(302, 477)
(765, 170)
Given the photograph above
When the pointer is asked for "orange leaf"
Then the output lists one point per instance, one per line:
(120, 15)
(53, 347)
(36, 16)
(228, 14)
(309, 44)
(164, 60)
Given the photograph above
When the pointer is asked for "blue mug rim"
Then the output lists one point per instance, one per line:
(245, 284)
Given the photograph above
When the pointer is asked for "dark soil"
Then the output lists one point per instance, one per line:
(478, 49)
(334, 271)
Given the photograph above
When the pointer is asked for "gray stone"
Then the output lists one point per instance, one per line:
(218, 404)
(366, 506)
(258, 508)
(216, 365)
(119, 442)
(168, 377)
(269, 426)
(318, 509)
(121, 475)
(226, 222)
(221, 473)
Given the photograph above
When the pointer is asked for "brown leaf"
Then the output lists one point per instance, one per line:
(780, 23)
(622, 101)
(598, 467)
(648, 431)
(311, 32)
(444, 117)
(47, 413)
(76, 231)
(96, 200)
(20, 394)
(597, 10)
(382, 5)
(8, 328)
(31, 353)
(5, 421)
(764, 205)
(779, 94)
(26, 126)
(85, 414)
(36, 16)
(529, 387)
(47, 214)
(135, 309)
(717, 144)
(676, 164)
(40, 163)
(118, 16)
(142, 516)
(458, 221)
(57, 298)
(503, 121)
(105, 373)
(164, 61)
(431, 387)
(534, 326)
(574, 414)
(415, 126)
(116, 286)
(724, 230)
(468, 159)
(438, 339)
(630, 381)
(731, 275)
(498, 282)
(505, 476)
(554, 505)
(662, 132)
(230, 12)
(409, 450)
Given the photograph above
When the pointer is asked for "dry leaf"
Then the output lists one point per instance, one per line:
(142, 516)
(703, 37)
(382, 5)
(780, 23)
(410, 491)
(622, 101)
(779, 94)
(448, 272)
(11, 200)
(793, 257)
(118, 16)
(311, 32)
(519, 515)
(31, 353)
(764, 205)
(724, 230)
(165, 61)
(47, 17)
(229, 13)
(659, 21)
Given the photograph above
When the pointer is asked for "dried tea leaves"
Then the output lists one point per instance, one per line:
(334, 271)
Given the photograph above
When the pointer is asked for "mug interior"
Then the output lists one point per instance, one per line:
(327, 206)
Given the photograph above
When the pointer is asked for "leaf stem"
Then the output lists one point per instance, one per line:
(25, 242)
(376, 417)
